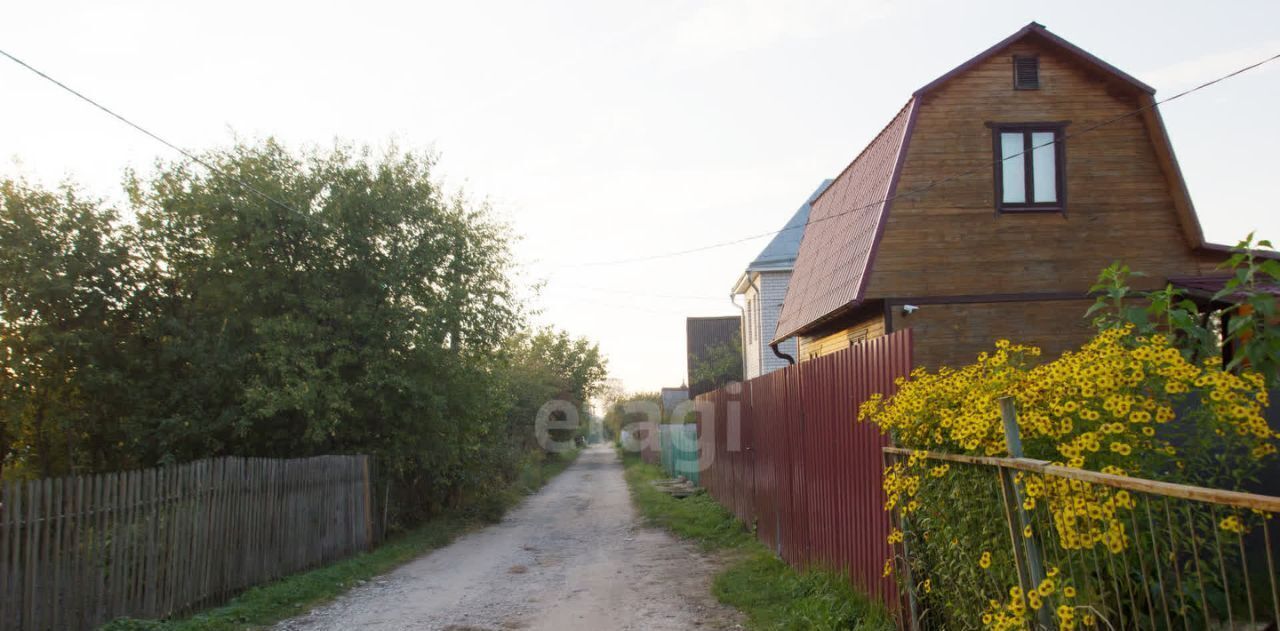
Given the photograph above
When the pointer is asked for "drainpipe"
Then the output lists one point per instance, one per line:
(781, 355)
(791, 361)
(742, 309)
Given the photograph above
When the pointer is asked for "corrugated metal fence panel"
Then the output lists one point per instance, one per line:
(798, 465)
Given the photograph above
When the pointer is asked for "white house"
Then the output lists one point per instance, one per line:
(762, 287)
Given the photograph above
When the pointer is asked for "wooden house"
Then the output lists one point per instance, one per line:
(989, 203)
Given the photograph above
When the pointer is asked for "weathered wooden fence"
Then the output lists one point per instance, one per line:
(79, 551)
(785, 452)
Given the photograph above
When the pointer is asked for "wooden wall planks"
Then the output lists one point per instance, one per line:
(79, 551)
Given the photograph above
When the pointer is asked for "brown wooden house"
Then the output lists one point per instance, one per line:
(987, 206)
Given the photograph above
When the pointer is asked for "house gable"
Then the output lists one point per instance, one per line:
(948, 239)
(950, 170)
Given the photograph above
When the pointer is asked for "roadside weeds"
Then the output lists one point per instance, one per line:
(771, 593)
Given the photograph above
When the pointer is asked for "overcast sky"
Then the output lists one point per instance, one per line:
(606, 130)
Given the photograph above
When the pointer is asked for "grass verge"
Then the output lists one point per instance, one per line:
(267, 604)
(767, 590)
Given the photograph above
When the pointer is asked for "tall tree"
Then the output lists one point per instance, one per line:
(65, 276)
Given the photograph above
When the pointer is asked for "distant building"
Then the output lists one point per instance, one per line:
(714, 352)
(763, 286)
(671, 397)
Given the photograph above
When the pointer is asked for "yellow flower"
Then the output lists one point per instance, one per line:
(1231, 524)
(1069, 591)
(985, 561)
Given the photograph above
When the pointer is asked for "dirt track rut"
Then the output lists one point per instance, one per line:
(572, 556)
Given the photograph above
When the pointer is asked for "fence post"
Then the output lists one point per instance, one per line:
(1035, 565)
(913, 608)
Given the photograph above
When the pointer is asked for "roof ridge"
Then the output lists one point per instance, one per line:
(1038, 29)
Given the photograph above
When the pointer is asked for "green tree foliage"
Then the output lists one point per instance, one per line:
(343, 303)
(617, 417)
(1246, 303)
(717, 365)
(64, 273)
(546, 365)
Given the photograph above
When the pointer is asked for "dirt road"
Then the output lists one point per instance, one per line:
(573, 556)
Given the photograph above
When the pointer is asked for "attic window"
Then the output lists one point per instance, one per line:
(1026, 73)
(1029, 169)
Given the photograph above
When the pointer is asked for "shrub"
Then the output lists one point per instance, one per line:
(1123, 404)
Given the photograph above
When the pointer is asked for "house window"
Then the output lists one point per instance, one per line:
(1030, 165)
(1026, 73)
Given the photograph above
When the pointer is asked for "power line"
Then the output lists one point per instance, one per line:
(148, 133)
(641, 294)
(931, 185)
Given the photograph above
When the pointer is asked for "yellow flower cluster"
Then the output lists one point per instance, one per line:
(1099, 408)
(1110, 406)
(1016, 612)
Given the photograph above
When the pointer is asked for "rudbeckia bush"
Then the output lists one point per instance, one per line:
(1125, 404)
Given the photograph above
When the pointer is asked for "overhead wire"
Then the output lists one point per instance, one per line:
(150, 134)
(721, 244)
(927, 187)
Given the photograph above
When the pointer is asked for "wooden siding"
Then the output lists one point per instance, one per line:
(866, 328)
(954, 334)
(949, 240)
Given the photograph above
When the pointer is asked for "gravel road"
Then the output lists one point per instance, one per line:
(572, 556)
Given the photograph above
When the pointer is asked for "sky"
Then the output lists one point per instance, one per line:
(603, 131)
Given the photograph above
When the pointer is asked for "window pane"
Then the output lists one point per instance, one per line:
(1044, 168)
(1013, 175)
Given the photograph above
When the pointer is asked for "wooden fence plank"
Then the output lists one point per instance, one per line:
(53, 617)
(7, 528)
(82, 550)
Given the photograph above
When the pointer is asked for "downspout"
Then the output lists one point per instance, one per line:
(752, 284)
(773, 346)
(742, 309)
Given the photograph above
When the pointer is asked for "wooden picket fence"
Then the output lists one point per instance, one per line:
(79, 551)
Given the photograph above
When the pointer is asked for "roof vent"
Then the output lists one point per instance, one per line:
(1026, 73)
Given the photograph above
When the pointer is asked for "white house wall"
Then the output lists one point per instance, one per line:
(773, 290)
(751, 342)
(763, 308)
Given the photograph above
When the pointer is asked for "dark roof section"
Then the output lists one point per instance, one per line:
(1038, 30)
(1207, 287)
(704, 335)
(781, 252)
(835, 253)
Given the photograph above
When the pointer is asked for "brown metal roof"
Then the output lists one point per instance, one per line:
(843, 225)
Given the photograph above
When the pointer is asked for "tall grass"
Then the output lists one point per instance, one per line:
(772, 594)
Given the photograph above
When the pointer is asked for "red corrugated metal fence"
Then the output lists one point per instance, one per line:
(785, 452)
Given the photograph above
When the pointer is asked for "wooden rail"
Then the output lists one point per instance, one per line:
(1183, 491)
(77, 552)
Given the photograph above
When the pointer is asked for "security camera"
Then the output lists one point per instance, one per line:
(909, 309)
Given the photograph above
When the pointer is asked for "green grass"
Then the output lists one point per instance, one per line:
(267, 604)
(767, 590)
